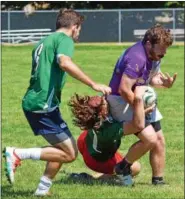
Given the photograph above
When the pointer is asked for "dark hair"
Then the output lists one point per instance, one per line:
(88, 111)
(68, 17)
(158, 35)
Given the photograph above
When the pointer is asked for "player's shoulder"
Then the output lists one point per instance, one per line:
(60, 36)
(136, 52)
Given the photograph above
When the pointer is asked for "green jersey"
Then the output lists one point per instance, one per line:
(47, 78)
(104, 142)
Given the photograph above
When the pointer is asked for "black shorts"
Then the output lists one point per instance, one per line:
(156, 126)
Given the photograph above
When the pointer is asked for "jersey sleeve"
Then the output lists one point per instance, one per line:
(133, 66)
(65, 47)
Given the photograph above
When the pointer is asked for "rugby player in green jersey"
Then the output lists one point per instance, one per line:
(102, 135)
(51, 61)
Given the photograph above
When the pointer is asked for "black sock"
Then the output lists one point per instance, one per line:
(157, 179)
(124, 164)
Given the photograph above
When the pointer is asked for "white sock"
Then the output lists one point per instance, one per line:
(31, 153)
(44, 186)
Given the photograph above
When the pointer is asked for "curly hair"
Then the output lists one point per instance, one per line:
(89, 112)
(158, 35)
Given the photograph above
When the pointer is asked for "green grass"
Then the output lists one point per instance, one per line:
(98, 62)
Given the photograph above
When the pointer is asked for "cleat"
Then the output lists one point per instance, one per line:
(11, 163)
(159, 183)
(124, 176)
(126, 180)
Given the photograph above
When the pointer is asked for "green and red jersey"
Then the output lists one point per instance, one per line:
(104, 142)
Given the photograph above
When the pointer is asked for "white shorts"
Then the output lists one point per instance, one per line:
(121, 111)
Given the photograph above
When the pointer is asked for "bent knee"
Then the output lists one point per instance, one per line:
(152, 141)
(71, 156)
(135, 168)
(161, 140)
(139, 127)
(160, 144)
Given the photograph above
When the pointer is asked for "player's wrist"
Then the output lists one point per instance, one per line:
(92, 85)
(138, 99)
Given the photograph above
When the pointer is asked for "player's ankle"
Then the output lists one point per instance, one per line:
(44, 186)
(125, 164)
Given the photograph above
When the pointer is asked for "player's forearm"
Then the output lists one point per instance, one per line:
(139, 113)
(77, 73)
(127, 95)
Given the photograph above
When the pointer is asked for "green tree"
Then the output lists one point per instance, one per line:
(40, 5)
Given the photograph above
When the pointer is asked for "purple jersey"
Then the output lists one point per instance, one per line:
(135, 64)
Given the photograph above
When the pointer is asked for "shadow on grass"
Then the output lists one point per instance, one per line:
(8, 191)
(90, 181)
(87, 180)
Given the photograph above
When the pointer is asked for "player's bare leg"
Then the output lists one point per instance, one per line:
(55, 155)
(147, 141)
(69, 149)
(157, 159)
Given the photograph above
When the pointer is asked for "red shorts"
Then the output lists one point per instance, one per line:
(101, 167)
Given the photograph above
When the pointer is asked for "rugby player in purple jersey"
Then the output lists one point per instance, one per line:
(140, 65)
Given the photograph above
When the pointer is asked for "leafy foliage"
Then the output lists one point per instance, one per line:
(44, 5)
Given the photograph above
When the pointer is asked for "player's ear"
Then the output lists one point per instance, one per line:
(148, 44)
(74, 27)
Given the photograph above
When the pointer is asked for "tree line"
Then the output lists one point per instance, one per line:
(53, 5)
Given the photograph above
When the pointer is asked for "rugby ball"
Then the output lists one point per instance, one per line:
(149, 97)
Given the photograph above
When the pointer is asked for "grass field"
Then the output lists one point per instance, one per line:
(98, 62)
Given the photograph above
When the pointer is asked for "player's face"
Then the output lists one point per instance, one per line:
(76, 32)
(157, 52)
(105, 107)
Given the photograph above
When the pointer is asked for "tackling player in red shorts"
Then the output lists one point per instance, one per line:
(102, 135)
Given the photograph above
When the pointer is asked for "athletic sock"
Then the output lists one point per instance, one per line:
(31, 153)
(44, 186)
(124, 164)
(123, 167)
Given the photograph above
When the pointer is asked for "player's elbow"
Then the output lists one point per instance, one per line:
(139, 126)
